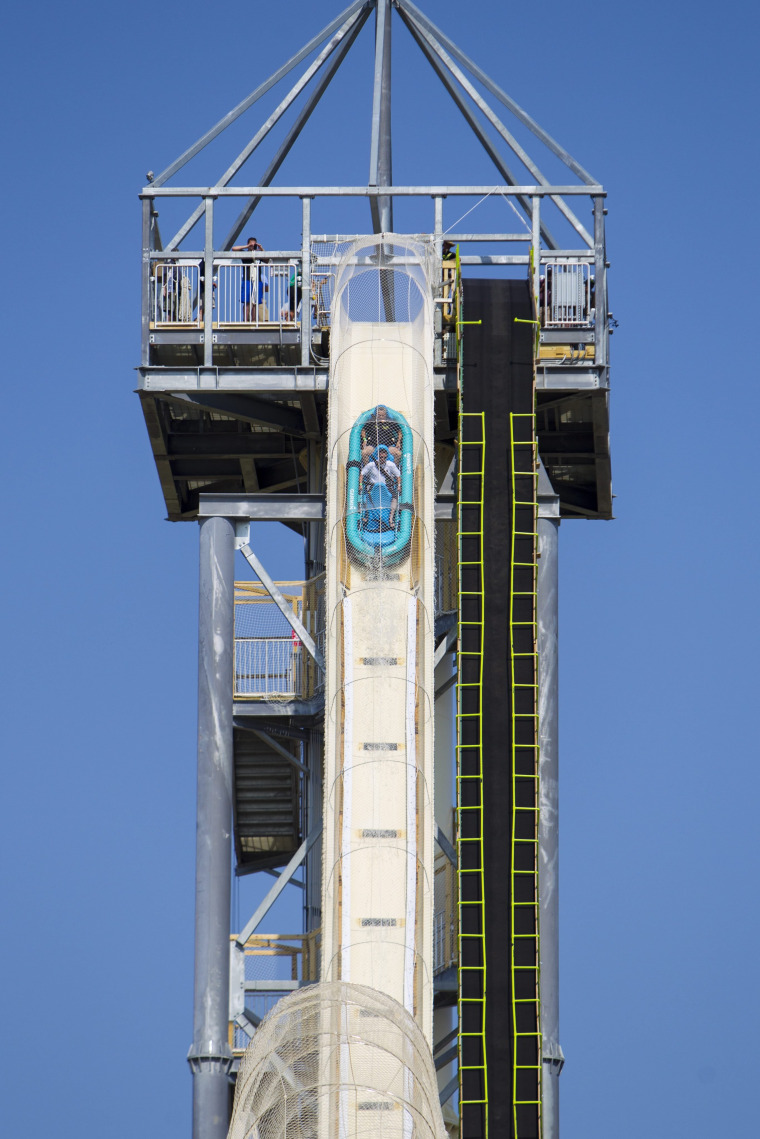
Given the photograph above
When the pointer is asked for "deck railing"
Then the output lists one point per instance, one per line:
(175, 297)
(271, 663)
(268, 968)
(567, 299)
(251, 294)
(257, 293)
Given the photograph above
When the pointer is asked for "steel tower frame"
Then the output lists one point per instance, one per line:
(204, 373)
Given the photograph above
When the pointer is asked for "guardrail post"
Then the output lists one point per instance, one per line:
(438, 246)
(600, 274)
(208, 288)
(147, 207)
(306, 282)
(536, 247)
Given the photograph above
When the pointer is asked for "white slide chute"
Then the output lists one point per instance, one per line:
(365, 1063)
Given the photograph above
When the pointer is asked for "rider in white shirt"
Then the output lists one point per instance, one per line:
(383, 472)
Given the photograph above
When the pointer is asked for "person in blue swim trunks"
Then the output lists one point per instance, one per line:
(382, 471)
(254, 280)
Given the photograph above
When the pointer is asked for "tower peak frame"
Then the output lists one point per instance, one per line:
(197, 353)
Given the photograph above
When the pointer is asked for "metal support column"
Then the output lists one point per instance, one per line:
(536, 253)
(210, 1055)
(438, 246)
(381, 173)
(438, 226)
(600, 281)
(548, 864)
(208, 291)
(306, 282)
(146, 270)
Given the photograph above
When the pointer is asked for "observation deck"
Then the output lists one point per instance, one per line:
(234, 393)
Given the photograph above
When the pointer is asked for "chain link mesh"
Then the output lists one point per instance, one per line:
(337, 1060)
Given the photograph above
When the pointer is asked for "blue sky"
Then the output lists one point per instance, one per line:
(659, 617)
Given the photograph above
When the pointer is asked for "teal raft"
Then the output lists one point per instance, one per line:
(370, 535)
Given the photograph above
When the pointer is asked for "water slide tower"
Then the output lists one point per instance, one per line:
(380, 734)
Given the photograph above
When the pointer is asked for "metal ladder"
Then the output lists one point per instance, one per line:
(473, 1078)
(524, 945)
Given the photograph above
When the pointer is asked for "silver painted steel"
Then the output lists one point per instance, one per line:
(381, 146)
(305, 282)
(208, 285)
(422, 191)
(285, 382)
(285, 508)
(600, 274)
(210, 1056)
(145, 280)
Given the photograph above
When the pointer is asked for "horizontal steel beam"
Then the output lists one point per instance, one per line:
(454, 238)
(458, 238)
(263, 507)
(496, 259)
(285, 507)
(271, 986)
(281, 709)
(260, 380)
(287, 382)
(569, 379)
(222, 255)
(371, 191)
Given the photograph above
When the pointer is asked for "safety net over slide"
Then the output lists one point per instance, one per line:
(361, 1064)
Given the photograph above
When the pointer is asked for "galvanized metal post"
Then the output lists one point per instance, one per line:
(380, 171)
(438, 225)
(438, 246)
(147, 209)
(306, 282)
(548, 834)
(208, 290)
(210, 1056)
(384, 165)
(600, 284)
(536, 249)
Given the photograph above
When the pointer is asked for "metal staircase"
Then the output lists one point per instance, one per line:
(267, 803)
